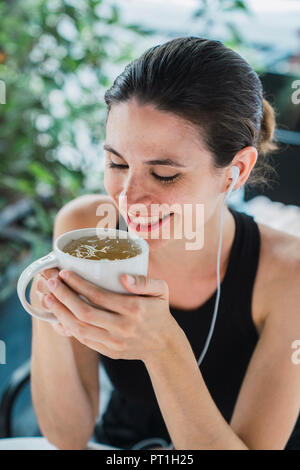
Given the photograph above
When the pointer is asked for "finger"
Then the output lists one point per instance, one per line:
(80, 330)
(42, 289)
(41, 297)
(59, 328)
(83, 311)
(42, 278)
(105, 298)
(41, 284)
(102, 349)
(48, 273)
(144, 285)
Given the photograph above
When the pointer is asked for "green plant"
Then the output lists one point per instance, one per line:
(212, 13)
(217, 19)
(56, 59)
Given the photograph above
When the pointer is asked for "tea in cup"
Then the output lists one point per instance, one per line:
(98, 255)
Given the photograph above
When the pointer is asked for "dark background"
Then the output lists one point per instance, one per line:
(286, 160)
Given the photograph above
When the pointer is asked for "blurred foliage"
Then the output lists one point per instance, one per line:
(213, 13)
(219, 19)
(56, 59)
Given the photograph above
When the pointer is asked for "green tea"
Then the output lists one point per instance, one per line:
(96, 248)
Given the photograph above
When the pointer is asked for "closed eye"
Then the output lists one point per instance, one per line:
(163, 179)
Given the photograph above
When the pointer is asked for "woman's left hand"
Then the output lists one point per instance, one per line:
(120, 326)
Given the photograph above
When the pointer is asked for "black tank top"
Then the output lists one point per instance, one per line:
(133, 412)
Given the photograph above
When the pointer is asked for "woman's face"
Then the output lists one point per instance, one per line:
(162, 163)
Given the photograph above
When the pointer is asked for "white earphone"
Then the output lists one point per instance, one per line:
(235, 172)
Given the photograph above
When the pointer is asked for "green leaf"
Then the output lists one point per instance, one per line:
(199, 13)
(240, 5)
(115, 15)
(41, 172)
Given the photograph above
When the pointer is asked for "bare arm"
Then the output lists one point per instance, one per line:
(64, 372)
(268, 404)
(269, 400)
(191, 416)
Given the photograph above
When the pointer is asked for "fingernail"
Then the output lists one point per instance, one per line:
(49, 299)
(52, 283)
(63, 274)
(130, 279)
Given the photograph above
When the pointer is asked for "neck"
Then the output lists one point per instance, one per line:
(202, 261)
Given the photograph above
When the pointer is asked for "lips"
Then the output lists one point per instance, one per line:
(146, 220)
(148, 226)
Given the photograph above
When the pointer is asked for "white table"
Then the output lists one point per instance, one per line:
(41, 443)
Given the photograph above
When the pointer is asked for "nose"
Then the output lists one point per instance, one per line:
(135, 192)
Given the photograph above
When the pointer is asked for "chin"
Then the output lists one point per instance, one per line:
(155, 244)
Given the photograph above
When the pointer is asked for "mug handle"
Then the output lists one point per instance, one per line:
(46, 262)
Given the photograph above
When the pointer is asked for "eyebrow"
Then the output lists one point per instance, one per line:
(164, 161)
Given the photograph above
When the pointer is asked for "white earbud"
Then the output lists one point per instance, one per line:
(235, 173)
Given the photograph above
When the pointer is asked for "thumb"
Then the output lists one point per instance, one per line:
(139, 284)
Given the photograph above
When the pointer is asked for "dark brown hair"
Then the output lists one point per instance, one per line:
(210, 86)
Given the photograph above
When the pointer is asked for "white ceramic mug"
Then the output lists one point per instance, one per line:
(104, 272)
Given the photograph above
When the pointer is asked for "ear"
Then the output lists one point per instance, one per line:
(245, 160)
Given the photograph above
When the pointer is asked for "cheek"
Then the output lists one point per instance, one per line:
(198, 198)
(111, 183)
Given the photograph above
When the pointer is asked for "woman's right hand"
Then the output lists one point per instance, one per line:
(42, 290)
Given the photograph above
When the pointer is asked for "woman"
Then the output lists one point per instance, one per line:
(179, 118)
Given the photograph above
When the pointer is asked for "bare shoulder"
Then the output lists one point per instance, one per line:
(279, 268)
(89, 210)
(281, 250)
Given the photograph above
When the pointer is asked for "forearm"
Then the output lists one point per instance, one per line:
(63, 407)
(190, 414)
